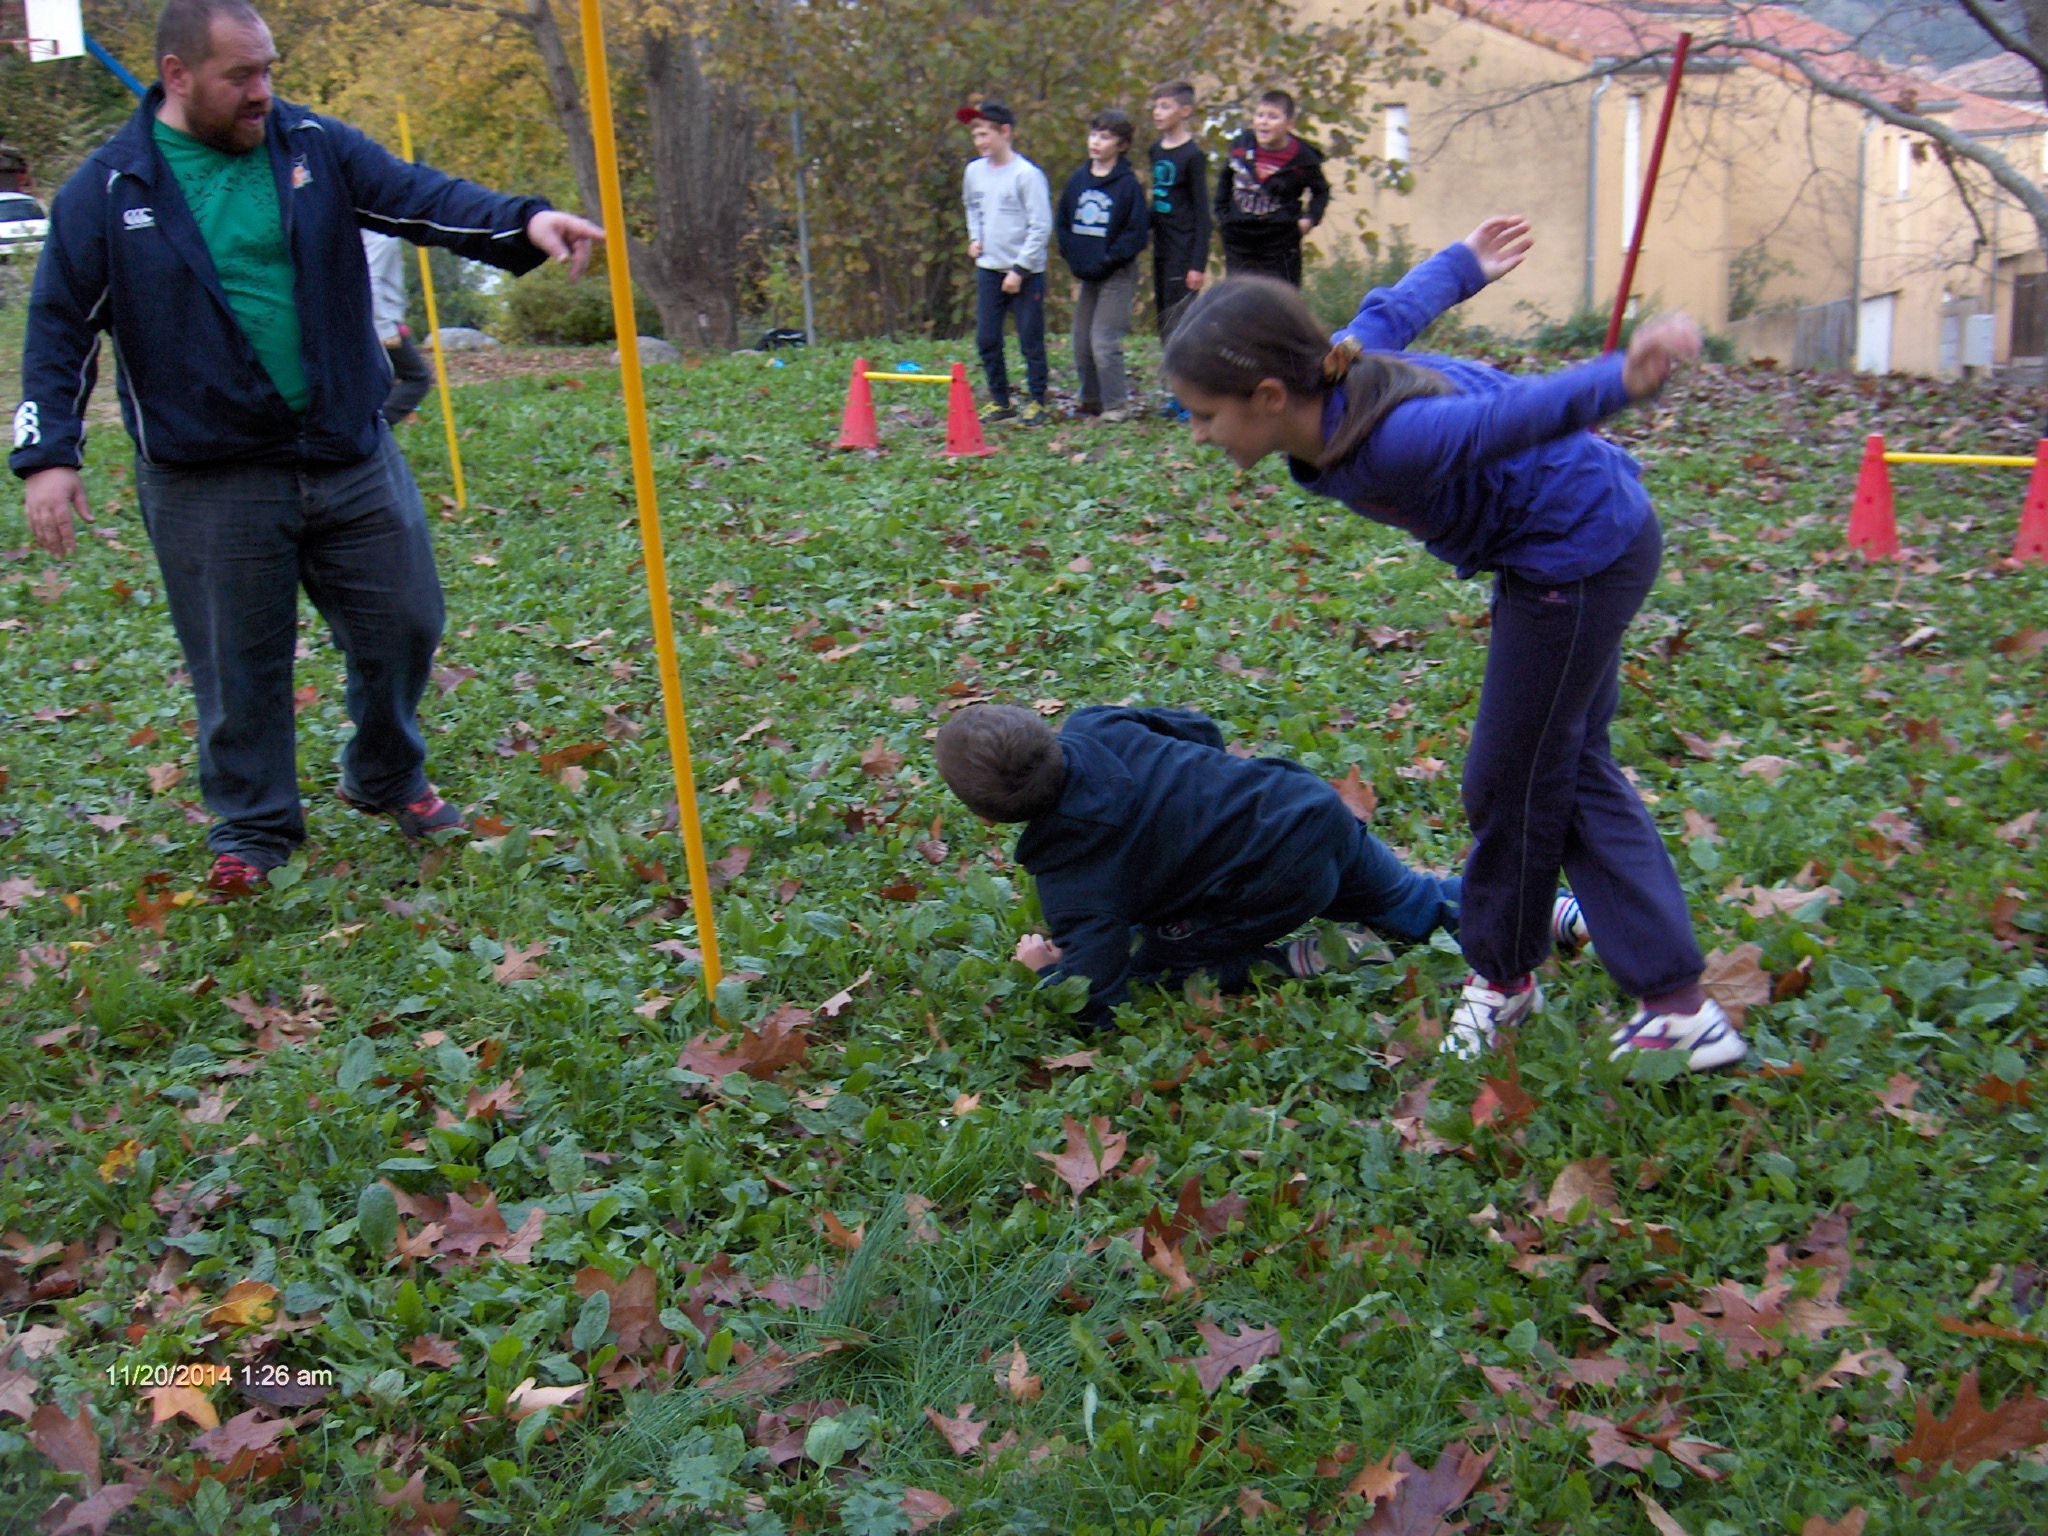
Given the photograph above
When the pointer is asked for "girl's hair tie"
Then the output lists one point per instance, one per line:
(1337, 362)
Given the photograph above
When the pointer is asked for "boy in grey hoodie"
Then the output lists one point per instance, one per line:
(1009, 224)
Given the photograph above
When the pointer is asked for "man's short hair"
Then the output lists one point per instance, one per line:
(1277, 98)
(1110, 120)
(1003, 762)
(185, 27)
(1179, 90)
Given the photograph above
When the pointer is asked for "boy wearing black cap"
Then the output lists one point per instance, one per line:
(1009, 225)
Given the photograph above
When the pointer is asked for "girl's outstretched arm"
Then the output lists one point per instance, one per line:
(1427, 439)
(1391, 318)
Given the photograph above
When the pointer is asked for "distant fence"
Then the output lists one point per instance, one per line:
(1819, 336)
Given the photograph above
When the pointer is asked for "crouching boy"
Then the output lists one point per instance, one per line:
(1159, 855)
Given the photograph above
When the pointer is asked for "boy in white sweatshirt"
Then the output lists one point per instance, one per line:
(1009, 224)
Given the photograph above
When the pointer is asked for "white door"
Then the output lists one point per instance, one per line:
(1874, 334)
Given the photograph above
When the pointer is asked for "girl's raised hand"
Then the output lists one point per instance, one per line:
(1657, 347)
(1500, 243)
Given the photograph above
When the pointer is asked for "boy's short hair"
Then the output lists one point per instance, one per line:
(1179, 90)
(1277, 98)
(1110, 120)
(1003, 762)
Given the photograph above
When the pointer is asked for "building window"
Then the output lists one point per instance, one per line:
(1905, 166)
(1631, 168)
(1397, 135)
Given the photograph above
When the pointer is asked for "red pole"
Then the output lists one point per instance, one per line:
(1635, 245)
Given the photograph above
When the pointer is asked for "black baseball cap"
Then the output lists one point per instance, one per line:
(988, 112)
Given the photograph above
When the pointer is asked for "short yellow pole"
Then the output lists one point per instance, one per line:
(1995, 460)
(625, 325)
(434, 325)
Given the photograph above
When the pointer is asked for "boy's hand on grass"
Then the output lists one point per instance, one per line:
(1657, 347)
(1037, 951)
(1500, 243)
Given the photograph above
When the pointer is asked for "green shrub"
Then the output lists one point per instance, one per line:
(465, 292)
(545, 309)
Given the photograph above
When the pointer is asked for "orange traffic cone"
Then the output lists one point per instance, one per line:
(1872, 528)
(2032, 544)
(857, 426)
(963, 427)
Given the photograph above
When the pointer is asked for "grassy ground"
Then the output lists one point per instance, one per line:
(446, 1124)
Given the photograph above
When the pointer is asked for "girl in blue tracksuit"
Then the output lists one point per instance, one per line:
(1493, 473)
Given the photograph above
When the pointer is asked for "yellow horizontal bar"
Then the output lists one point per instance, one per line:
(2001, 460)
(930, 378)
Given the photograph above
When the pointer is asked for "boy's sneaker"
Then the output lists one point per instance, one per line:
(1115, 414)
(1033, 414)
(1332, 949)
(1568, 931)
(1088, 408)
(421, 819)
(1709, 1041)
(233, 877)
(1173, 410)
(1483, 1012)
(997, 411)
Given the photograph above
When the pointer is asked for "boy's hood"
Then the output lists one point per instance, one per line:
(1118, 172)
(1093, 808)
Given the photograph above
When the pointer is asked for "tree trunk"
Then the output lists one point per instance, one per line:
(567, 94)
(701, 154)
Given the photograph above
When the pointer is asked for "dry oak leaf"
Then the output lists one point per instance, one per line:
(1897, 1101)
(1357, 793)
(526, 1398)
(417, 1516)
(163, 777)
(1089, 1154)
(1661, 1519)
(925, 1508)
(1502, 1100)
(170, 1402)
(779, 1042)
(1761, 901)
(1376, 1480)
(1015, 1378)
(962, 1431)
(72, 1445)
(1880, 1363)
(245, 1432)
(1700, 828)
(92, 1516)
(469, 1228)
(1590, 1180)
(432, 1349)
(1231, 1352)
(14, 892)
(17, 1393)
(1420, 1505)
(1766, 768)
(1850, 1524)
(1736, 980)
(1970, 1435)
(879, 761)
(1252, 1504)
(636, 1307)
(247, 1304)
(518, 964)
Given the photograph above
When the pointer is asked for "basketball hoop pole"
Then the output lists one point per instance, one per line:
(114, 66)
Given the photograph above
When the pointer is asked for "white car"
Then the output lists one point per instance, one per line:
(23, 226)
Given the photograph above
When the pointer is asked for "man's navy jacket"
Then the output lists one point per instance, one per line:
(1156, 823)
(124, 256)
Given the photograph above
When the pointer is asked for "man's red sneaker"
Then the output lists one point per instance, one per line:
(422, 819)
(233, 877)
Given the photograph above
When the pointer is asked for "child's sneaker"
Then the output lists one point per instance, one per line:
(233, 877)
(1332, 949)
(421, 819)
(997, 411)
(1115, 414)
(1033, 414)
(1483, 1012)
(1709, 1041)
(1568, 931)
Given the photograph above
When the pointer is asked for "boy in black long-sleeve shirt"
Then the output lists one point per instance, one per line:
(1259, 209)
(1180, 204)
(1158, 854)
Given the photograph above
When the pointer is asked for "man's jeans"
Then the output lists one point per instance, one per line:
(235, 542)
(1028, 305)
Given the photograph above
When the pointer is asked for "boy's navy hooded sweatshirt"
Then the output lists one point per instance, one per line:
(1499, 474)
(1102, 221)
(1157, 822)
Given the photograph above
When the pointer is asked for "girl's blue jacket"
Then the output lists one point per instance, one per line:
(125, 258)
(1501, 474)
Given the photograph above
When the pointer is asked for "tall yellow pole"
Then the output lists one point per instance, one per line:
(627, 328)
(434, 325)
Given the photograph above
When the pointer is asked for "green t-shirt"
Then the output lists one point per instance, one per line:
(233, 199)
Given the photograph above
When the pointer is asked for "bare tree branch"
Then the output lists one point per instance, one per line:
(2005, 37)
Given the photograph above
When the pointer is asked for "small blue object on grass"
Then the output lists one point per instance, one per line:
(910, 368)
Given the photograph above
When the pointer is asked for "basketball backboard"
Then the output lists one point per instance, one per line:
(55, 30)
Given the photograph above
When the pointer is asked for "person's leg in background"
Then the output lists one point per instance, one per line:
(1088, 381)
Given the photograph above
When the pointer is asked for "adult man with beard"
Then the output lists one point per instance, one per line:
(215, 238)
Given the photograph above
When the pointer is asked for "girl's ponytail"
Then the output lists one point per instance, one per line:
(1246, 329)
